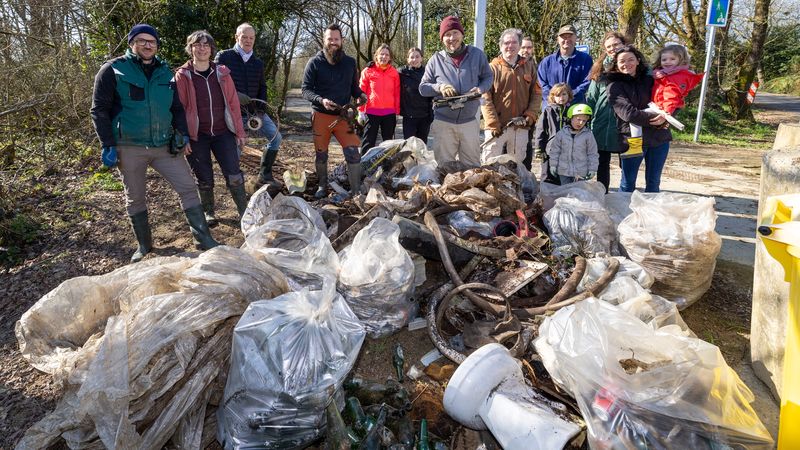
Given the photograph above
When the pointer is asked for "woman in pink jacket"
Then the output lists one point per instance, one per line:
(213, 114)
(381, 82)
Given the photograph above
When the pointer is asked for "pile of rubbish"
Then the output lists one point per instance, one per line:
(559, 305)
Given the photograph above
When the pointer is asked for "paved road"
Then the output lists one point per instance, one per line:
(777, 102)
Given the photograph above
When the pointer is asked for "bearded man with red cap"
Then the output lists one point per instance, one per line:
(458, 69)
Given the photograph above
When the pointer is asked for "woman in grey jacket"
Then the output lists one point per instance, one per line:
(459, 69)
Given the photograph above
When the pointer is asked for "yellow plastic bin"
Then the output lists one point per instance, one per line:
(780, 232)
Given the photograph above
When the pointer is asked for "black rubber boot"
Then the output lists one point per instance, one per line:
(207, 200)
(322, 174)
(354, 177)
(265, 173)
(141, 229)
(239, 198)
(199, 227)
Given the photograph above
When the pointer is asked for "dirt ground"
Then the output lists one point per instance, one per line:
(87, 233)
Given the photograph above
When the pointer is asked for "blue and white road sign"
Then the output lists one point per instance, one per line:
(718, 13)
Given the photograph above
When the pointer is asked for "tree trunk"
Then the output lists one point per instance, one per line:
(630, 18)
(737, 94)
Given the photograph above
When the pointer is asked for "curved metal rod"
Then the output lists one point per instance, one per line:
(433, 330)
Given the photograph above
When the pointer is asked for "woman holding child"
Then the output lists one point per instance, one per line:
(643, 136)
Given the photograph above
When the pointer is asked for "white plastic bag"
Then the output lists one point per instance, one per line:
(672, 236)
(628, 290)
(580, 228)
(637, 387)
(421, 167)
(585, 190)
(377, 278)
(290, 355)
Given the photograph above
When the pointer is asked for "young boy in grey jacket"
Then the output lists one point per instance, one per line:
(573, 152)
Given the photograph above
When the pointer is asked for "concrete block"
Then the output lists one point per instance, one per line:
(788, 136)
(780, 175)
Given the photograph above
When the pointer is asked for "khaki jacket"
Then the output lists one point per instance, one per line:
(514, 92)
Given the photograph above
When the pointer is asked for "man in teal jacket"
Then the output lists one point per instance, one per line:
(140, 122)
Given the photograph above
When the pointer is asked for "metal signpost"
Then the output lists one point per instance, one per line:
(717, 17)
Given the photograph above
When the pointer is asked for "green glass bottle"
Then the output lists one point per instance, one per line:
(422, 440)
(337, 435)
(399, 361)
(372, 440)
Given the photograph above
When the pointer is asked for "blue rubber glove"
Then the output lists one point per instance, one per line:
(109, 156)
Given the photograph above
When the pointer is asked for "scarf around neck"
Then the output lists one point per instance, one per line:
(240, 51)
(665, 72)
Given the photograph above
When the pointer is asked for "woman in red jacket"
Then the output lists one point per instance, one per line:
(381, 83)
(208, 95)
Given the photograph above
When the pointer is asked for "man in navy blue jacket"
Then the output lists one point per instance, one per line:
(565, 65)
(247, 71)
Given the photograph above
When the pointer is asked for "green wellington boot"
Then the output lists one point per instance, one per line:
(207, 200)
(141, 229)
(199, 227)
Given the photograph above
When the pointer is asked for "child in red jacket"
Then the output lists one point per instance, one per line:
(673, 78)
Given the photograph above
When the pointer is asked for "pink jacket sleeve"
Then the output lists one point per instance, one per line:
(364, 85)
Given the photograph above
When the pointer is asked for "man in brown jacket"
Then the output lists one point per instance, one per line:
(512, 104)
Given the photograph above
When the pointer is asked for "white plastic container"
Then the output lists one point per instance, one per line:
(488, 391)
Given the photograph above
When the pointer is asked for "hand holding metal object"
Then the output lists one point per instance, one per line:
(456, 102)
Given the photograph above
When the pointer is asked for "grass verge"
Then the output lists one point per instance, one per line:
(789, 84)
(717, 128)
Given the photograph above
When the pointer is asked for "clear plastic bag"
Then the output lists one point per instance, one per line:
(150, 365)
(257, 209)
(580, 228)
(618, 205)
(672, 236)
(292, 237)
(290, 355)
(637, 387)
(377, 278)
(585, 190)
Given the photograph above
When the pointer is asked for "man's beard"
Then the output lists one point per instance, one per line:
(335, 56)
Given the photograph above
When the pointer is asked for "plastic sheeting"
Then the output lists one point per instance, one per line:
(290, 355)
(580, 228)
(377, 278)
(291, 236)
(140, 347)
(637, 387)
(672, 236)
